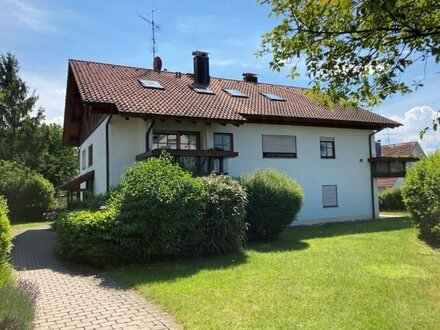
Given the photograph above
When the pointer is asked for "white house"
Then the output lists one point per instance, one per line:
(117, 115)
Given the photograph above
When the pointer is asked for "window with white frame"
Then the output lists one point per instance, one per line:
(279, 146)
(83, 159)
(327, 146)
(329, 196)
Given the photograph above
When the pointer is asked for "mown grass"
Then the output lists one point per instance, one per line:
(364, 275)
(29, 225)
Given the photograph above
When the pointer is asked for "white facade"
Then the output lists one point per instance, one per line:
(349, 170)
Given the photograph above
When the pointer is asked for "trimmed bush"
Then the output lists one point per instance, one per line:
(391, 200)
(274, 200)
(88, 236)
(29, 194)
(421, 194)
(5, 232)
(223, 220)
(160, 211)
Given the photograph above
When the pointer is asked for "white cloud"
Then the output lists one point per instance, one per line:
(51, 92)
(414, 121)
(35, 17)
(224, 62)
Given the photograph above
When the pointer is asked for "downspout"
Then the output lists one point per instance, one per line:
(107, 158)
(147, 135)
(373, 206)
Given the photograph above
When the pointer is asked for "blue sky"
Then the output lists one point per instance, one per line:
(45, 34)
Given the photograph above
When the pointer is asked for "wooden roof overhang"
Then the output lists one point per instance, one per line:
(75, 184)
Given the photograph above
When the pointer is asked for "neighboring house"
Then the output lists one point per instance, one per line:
(117, 115)
(406, 149)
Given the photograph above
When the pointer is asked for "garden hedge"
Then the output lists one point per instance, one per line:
(5, 232)
(421, 194)
(391, 200)
(274, 200)
(29, 194)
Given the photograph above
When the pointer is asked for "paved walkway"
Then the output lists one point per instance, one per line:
(74, 297)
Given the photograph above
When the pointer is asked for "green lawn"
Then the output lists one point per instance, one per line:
(29, 225)
(362, 275)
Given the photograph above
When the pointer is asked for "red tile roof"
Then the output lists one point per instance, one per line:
(399, 149)
(119, 85)
(386, 182)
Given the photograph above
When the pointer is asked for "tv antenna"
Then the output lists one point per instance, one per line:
(154, 27)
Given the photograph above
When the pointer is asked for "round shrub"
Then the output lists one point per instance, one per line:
(87, 236)
(5, 232)
(421, 194)
(160, 211)
(29, 194)
(225, 211)
(391, 200)
(274, 200)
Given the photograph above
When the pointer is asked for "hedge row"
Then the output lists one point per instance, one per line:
(391, 200)
(5, 232)
(421, 194)
(160, 211)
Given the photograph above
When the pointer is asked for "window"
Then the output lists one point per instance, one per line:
(90, 155)
(201, 89)
(330, 196)
(235, 92)
(151, 84)
(175, 140)
(327, 145)
(273, 97)
(83, 159)
(223, 141)
(279, 146)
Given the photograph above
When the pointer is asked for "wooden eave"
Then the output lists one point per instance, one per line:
(75, 184)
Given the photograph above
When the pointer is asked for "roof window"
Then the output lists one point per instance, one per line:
(202, 89)
(235, 92)
(273, 97)
(151, 84)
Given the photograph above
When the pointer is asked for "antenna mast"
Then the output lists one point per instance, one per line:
(154, 27)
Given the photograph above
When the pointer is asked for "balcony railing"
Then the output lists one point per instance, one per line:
(390, 167)
(198, 162)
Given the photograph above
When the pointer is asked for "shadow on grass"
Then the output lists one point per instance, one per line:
(348, 228)
(170, 270)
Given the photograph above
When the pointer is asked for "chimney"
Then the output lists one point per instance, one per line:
(201, 68)
(250, 77)
(378, 148)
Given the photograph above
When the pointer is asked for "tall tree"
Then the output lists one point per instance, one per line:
(355, 51)
(24, 138)
(18, 123)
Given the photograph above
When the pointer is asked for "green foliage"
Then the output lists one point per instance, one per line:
(23, 137)
(88, 236)
(274, 200)
(354, 51)
(160, 211)
(391, 200)
(5, 232)
(29, 195)
(421, 195)
(224, 215)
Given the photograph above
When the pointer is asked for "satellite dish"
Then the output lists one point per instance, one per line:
(157, 64)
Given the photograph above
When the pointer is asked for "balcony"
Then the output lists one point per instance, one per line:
(198, 162)
(390, 167)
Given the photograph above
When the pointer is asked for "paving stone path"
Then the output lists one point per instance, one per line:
(74, 297)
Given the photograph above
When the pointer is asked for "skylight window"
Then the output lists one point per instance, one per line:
(151, 84)
(273, 97)
(202, 89)
(235, 92)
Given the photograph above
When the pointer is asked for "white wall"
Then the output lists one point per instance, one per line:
(350, 170)
(97, 138)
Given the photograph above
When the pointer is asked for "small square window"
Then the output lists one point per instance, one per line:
(330, 196)
(223, 141)
(327, 147)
